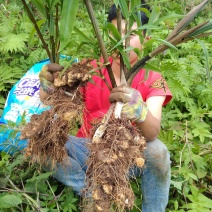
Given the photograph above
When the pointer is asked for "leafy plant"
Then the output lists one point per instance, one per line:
(24, 187)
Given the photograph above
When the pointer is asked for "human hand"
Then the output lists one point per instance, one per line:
(47, 77)
(134, 108)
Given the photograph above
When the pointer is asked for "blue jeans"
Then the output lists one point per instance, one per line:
(155, 177)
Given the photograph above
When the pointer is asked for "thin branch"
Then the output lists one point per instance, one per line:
(100, 41)
(181, 154)
(20, 191)
(58, 208)
(31, 17)
(135, 69)
(104, 79)
(32, 202)
(51, 37)
(206, 152)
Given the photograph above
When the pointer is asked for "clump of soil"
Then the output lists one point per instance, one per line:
(111, 157)
(48, 132)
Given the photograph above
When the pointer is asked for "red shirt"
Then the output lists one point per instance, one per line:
(96, 95)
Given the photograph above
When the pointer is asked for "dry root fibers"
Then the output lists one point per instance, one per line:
(111, 157)
(48, 132)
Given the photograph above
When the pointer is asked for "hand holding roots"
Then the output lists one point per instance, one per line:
(112, 155)
(48, 132)
(74, 77)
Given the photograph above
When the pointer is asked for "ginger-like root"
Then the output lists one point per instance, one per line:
(48, 132)
(111, 157)
(77, 75)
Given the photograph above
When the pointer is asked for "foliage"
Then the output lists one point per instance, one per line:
(16, 54)
(24, 187)
(186, 123)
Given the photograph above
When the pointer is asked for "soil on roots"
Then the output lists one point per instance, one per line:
(111, 157)
(47, 133)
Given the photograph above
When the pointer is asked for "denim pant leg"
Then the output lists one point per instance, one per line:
(156, 177)
(73, 174)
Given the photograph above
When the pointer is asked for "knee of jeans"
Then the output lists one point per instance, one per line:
(157, 157)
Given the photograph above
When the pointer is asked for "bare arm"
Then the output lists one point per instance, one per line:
(151, 126)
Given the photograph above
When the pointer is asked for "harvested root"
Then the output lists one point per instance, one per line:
(111, 157)
(48, 132)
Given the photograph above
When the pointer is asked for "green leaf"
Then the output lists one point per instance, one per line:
(114, 31)
(40, 6)
(168, 17)
(68, 16)
(147, 12)
(177, 185)
(204, 201)
(82, 34)
(33, 31)
(124, 8)
(2, 100)
(154, 16)
(9, 201)
(13, 42)
(136, 32)
(207, 66)
(166, 43)
(116, 2)
(42, 176)
(202, 133)
(193, 176)
(149, 66)
(176, 205)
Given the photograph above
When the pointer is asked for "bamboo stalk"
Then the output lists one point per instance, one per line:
(176, 40)
(186, 20)
(119, 27)
(135, 69)
(100, 41)
(197, 36)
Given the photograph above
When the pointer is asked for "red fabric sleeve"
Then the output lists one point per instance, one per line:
(154, 85)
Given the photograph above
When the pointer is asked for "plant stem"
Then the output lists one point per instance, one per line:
(119, 27)
(127, 39)
(100, 41)
(58, 208)
(103, 77)
(57, 35)
(135, 69)
(20, 191)
(32, 202)
(31, 17)
(50, 20)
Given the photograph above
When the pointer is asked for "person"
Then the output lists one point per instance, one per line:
(22, 102)
(143, 103)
